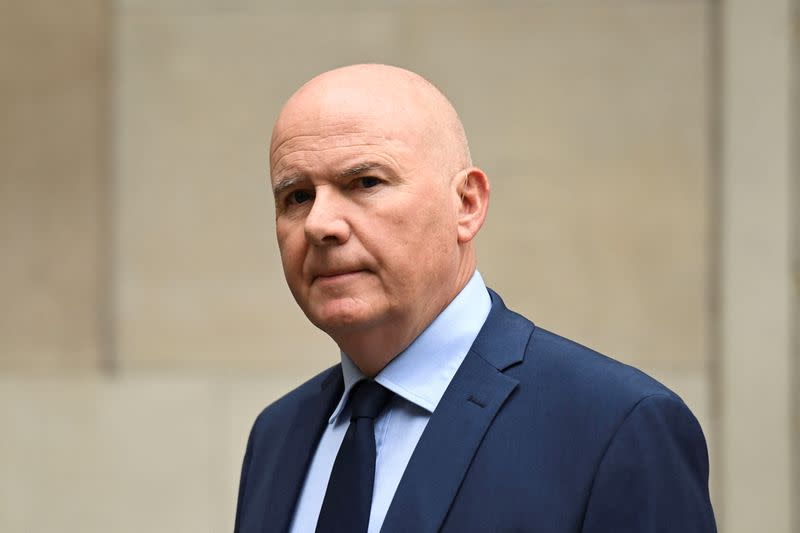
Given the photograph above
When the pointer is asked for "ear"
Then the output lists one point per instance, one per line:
(473, 192)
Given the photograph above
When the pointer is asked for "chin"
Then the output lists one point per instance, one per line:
(340, 317)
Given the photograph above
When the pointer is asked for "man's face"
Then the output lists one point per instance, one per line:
(365, 216)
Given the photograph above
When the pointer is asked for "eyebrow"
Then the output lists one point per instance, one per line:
(294, 179)
(287, 183)
(360, 169)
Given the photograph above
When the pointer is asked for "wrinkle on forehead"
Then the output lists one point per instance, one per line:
(290, 161)
(375, 101)
(306, 147)
(336, 134)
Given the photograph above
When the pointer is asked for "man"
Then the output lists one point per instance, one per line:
(474, 418)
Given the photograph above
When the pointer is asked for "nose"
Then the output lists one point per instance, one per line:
(326, 224)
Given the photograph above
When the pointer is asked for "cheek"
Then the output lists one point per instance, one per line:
(419, 244)
(292, 250)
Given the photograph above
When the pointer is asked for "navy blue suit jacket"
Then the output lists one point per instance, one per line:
(535, 433)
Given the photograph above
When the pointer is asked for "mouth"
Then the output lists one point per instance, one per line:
(337, 276)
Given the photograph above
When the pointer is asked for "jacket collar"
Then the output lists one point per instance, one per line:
(294, 458)
(447, 446)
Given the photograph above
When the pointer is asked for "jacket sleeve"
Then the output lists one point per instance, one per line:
(653, 476)
(240, 504)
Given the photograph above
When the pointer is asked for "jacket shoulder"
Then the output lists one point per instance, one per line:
(567, 368)
(552, 367)
(279, 414)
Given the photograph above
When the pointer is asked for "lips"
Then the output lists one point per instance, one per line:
(337, 275)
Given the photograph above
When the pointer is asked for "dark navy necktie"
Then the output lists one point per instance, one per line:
(348, 498)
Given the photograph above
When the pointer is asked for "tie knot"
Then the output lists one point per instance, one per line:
(367, 399)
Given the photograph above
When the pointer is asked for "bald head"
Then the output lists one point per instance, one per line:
(397, 102)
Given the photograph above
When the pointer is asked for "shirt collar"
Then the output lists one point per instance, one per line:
(422, 372)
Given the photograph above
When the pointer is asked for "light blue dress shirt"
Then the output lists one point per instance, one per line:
(418, 376)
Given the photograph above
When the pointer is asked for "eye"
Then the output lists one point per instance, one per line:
(367, 182)
(299, 197)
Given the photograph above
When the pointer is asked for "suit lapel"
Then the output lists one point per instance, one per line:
(456, 428)
(297, 450)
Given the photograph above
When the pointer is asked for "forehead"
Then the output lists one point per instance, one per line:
(333, 139)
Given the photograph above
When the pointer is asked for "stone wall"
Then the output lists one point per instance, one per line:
(145, 320)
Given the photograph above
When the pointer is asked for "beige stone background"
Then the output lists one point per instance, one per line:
(644, 157)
